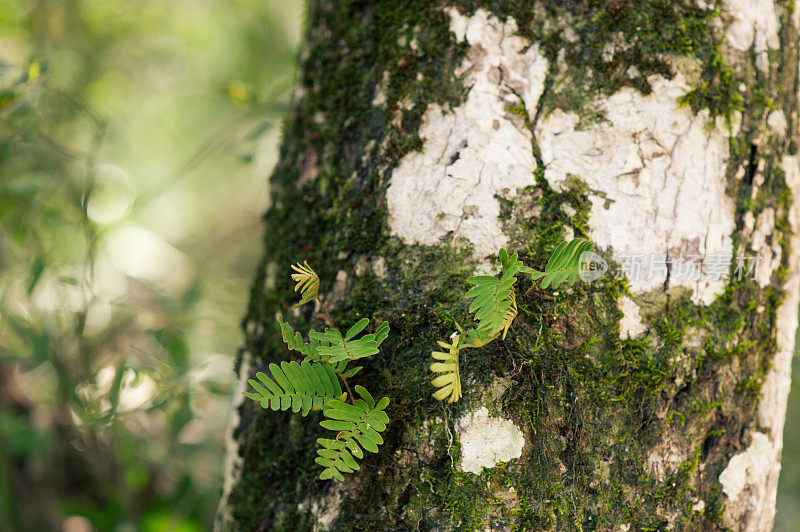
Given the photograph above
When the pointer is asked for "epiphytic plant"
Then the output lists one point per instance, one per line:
(495, 307)
(314, 383)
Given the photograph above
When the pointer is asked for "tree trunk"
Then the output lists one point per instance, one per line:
(423, 138)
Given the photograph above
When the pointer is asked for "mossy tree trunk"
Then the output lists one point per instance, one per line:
(425, 136)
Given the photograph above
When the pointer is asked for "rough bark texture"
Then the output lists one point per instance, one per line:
(422, 137)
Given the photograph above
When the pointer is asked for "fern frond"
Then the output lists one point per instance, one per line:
(321, 350)
(358, 425)
(299, 386)
(307, 282)
(340, 349)
(494, 302)
(564, 264)
(449, 379)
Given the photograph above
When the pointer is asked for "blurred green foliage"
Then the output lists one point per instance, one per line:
(135, 141)
(787, 518)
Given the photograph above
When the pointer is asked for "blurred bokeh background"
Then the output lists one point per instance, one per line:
(135, 143)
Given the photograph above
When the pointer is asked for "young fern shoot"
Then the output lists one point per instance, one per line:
(314, 383)
(307, 283)
(495, 307)
(449, 379)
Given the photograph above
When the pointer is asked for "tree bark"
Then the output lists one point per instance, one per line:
(424, 137)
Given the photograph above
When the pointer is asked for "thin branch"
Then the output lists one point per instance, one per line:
(325, 313)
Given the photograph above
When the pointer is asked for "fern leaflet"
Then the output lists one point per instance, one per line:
(307, 282)
(510, 314)
(449, 379)
(358, 425)
(294, 341)
(564, 264)
(299, 386)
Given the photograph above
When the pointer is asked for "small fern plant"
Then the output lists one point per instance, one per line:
(494, 306)
(315, 383)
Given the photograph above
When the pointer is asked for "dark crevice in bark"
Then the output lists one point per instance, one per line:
(752, 165)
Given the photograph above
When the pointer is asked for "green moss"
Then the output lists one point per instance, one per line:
(716, 91)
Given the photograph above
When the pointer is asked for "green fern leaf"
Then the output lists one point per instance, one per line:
(358, 426)
(301, 387)
(495, 307)
(345, 349)
(564, 264)
(449, 379)
(353, 331)
(494, 304)
(310, 350)
(321, 350)
(307, 282)
(508, 262)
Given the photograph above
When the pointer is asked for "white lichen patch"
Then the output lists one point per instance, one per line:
(748, 469)
(272, 274)
(379, 267)
(376, 265)
(754, 23)
(753, 492)
(775, 390)
(776, 120)
(666, 458)
(631, 323)
(767, 256)
(381, 90)
(698, 506)
(486, 440)
(476, 151)
(327, 510)
(338, 291)
(658, 176)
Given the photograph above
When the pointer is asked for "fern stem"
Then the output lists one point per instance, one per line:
(540, 296)
(347, 386)
(325, 312)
